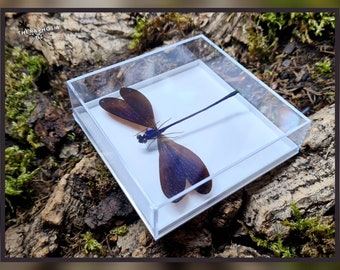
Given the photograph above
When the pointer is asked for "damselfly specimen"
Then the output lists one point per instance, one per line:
(177, 164)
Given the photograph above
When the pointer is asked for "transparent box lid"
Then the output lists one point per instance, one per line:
(237, 140)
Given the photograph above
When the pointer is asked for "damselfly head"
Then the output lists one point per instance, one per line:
(150, 134)
(142, 138)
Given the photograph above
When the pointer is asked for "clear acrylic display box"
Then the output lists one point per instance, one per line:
(238, 140)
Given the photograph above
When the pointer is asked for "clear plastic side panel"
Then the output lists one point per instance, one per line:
(270, 104)
(73, 97)
(130, 72)
(299, 135)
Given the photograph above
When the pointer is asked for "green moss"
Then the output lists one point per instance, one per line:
(91, 245)
(324, 67)
(261, 46)
(17, 173)
(150, 33)
(278, 247)
(302, 26)
(315, 233)
(139, 33)
(120, 231)
(322, 71)
(21, 71)
(309, 237)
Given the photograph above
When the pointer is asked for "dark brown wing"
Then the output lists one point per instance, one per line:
(135, 107)
(140, 104)
(178, 164)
